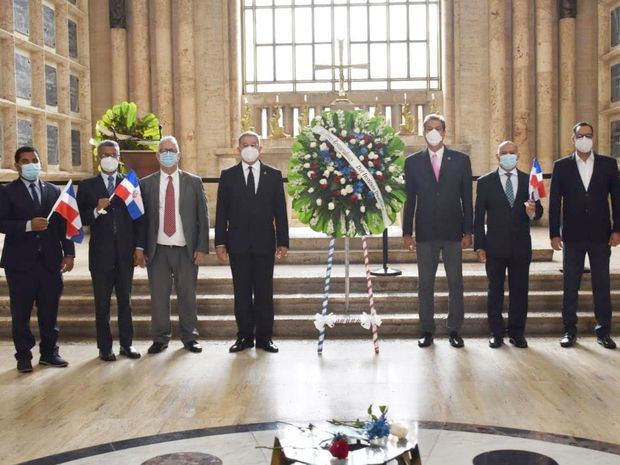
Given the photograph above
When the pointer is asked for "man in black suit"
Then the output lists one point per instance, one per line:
(250, 199)
(439, 195)
(36, 252)
(111, 249)
(502, 198)
(579, 221)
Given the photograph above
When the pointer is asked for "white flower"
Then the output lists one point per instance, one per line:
(388, 189)
(314, 155)
(372, 155)
(311, 190)
(344, 191)
(306, 165)
(326, 173)
(377, 140)
(392, 168)
(313, 144)
(356, 129)
(307, 156)
(332, 130)
(337, 173)
(338, 155)
(331, 168)
(319, 202)
(331, 206)
(321, 138)
(349, 188)
(352, 141)
(369, 145)
(361, 157)
(343, 133)
(347, 211)
(370, 163)
(323, 147)
(343, 181)
(362, 208)
(399, 430)
(362, 142)
(323, 181)
(378, 173)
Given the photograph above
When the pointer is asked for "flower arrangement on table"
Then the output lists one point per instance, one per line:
(346, 174)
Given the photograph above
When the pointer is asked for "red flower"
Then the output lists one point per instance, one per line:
(339, 448)
(367, 139)
(336, 193)
(323, 186)
(353, 175)
(314, 166)
(332, 154)
(353, 198)
(379, 176)
(377, 162)
(337, 179)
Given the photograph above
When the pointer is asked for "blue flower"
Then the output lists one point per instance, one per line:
(378, 428)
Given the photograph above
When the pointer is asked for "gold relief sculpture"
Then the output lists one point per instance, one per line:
(247, 120)
(303, 118)
(433, 107)
(409, 124)
(275, 130)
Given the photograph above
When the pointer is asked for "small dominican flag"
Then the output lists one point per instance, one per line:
(537, 186)
(129, 191)
(66, 206)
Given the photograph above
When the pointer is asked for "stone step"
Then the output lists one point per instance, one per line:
(301, 326)
(220, 306)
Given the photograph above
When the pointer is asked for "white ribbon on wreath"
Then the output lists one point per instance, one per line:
(370, 320)
(362, 172)
(321, 320)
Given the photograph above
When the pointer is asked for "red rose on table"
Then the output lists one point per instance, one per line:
(339, 448)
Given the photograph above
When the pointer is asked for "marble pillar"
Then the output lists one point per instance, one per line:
(161, 56)
(545, 129)
(568, 110)
(139, 66)
(603, 143)
(447, 65)
(185, 82)
(118, 73)
(521, 79)
(499, 129)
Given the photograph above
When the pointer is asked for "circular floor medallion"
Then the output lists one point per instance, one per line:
(513, 457)
(184, 458)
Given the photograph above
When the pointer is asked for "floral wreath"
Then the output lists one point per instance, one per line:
(335, 194)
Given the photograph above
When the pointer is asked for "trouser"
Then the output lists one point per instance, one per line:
(428, 259)
(173, 263)
(253, 286)
(518, 268)
(574, 256)
(43, 287)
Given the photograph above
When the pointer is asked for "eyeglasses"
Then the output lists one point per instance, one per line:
(108, 155)
(167, 150)
(581, 136)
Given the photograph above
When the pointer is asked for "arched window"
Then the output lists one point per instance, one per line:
(284, 40)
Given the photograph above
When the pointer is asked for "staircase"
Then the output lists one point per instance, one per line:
(298, 294)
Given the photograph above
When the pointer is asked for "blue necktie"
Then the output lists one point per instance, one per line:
(35, 196)
(510, 195)
(110, 184)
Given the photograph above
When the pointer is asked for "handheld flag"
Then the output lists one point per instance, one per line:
(537, 186)
(129, 191)
(66, 206)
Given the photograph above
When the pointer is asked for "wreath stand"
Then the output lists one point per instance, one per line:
(323, 319)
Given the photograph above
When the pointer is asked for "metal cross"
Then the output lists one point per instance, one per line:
(342, 95)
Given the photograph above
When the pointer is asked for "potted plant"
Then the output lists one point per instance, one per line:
(136, 137)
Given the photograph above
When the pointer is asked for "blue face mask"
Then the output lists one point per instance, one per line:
(31, 171)
(168, 158)
(508, 161)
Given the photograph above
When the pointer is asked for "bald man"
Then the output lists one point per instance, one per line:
(502, 200)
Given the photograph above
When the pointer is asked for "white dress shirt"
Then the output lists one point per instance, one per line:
(178, 238)
(585, 168)
(255, 172)
(439, 154)
(37, 187)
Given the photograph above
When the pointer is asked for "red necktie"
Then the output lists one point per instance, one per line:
(170, 225)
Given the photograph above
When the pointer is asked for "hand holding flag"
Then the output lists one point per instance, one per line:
(537, 186)
(66, 206)
(129, 191)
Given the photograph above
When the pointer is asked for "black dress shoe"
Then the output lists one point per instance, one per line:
(193, 346)
(157, 347)
(267, 345)
(568, 340)
(240, 344)
(53, 360)
(456, 340)
(129, 352)
(606, 341)
(107, 356)
(426, 339)
(24, 366)
(518, 341)
(495, 342)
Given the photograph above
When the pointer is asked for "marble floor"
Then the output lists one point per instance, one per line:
(563, 404)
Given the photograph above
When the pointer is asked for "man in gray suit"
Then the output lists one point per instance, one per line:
(439, 195)
(174, 243)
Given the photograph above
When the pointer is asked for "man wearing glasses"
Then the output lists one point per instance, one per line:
(173, 243)
(579, 223)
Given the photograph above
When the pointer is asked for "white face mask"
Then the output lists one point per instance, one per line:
(249, 154)
(583, 144)
(109, 164)
(433, 138)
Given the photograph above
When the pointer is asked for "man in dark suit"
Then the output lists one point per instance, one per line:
(174, 241)
(111, 249)
(36, 252)
(250, 199)
(579, 221)
(439, 195)
(502, 198)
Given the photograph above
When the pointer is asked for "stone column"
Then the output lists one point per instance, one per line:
(185, 81)
(545, 129)
(235, 60)
(568, 111)
(139, 58)
(604, 82)
(498, 78)
(447, 67)
(163, 97)
(521, 79)
(118, 41)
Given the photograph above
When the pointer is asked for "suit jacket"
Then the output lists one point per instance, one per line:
(246, 223)
(20, 247)
(104, 243)
(508, 228)
(192, 208)
(579, 215)
(442, 209)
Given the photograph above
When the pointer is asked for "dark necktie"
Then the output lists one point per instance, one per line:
(251, 185)
(110, 184)
(35, 196)
(170, 225)
(510, 195)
